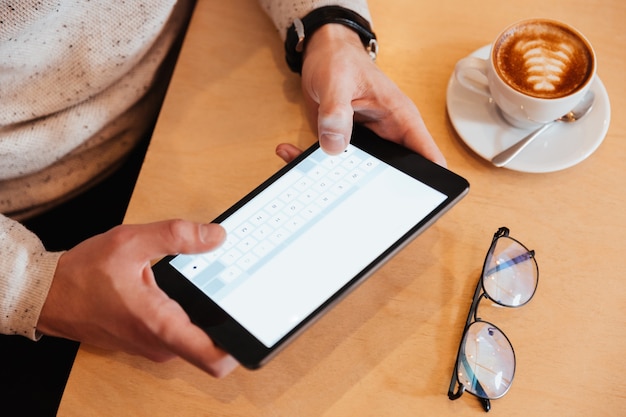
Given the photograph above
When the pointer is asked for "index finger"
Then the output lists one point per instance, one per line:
(185, 339)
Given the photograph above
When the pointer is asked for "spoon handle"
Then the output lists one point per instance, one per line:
(508, 154)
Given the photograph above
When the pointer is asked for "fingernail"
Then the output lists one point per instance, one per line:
(212, 233)
(333, 142)
(282, 154)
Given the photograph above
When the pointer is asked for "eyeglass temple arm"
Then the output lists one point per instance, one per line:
(486, 403)
(454, 381)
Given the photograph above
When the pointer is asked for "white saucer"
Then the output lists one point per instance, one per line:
(479, 124)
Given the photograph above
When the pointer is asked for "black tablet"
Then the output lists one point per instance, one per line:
(304, 239)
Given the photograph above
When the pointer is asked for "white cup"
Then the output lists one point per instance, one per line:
(537, 71)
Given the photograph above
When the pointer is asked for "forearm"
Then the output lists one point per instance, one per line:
(26, 271)
(283, 13)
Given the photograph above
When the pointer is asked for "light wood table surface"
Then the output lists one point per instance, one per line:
(388, 349)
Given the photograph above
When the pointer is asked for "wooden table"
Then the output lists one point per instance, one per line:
(389, 348)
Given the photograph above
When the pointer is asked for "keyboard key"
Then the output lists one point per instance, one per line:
(246, 244)
(310, 211)
(340, 187)
(293, 208)
(317, 172)
(246, 261)
(279, 236)
(243, 230)
(354, 176)
(369, 164)
(294, 224)
(307, 197)
(231, 257)
(288, 195)
(274, 207)
(230, 274)
(262, 232)
(194, 268)
(263, 248)
(259, 218)
(326, 199)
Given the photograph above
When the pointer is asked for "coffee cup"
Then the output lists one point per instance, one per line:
(537, 71)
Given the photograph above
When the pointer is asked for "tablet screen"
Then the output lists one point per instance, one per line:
(300, 240)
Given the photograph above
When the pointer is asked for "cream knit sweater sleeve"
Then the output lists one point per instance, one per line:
(76, 85)
(76, 79)
(284, 12)
(27, 270)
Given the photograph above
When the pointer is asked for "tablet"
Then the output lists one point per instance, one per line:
(305, 238)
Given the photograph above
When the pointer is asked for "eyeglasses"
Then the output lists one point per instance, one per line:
(485, 362)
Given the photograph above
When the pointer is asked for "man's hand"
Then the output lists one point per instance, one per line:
(104, 294)
(341, 84)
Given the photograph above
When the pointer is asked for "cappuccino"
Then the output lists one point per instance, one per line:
(543, 58)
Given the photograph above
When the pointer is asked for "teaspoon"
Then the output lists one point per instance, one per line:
(576, 113)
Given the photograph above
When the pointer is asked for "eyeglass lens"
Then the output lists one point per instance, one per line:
(487, 363)
(510, 274)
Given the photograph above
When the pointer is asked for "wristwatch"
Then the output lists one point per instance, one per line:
(301, 29)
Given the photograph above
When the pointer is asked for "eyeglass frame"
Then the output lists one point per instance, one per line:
(472, 317)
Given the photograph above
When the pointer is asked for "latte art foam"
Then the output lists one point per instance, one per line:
(543, 59)
(545, 68)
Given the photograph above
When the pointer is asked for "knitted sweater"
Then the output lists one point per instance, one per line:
(78, 88)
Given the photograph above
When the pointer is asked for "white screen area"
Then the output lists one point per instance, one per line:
(304, 237)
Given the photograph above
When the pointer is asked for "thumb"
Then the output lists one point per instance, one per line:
(334, 134)
(170, 237)
(334, 120)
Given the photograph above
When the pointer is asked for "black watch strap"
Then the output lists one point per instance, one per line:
(301, 29)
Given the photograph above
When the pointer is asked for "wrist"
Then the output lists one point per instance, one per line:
(334, 21)
(332, 37)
